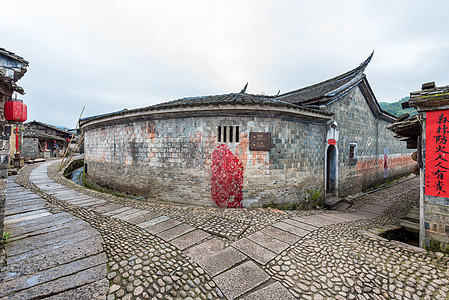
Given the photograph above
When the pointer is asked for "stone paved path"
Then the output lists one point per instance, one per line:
(163, 252)
(50, 252)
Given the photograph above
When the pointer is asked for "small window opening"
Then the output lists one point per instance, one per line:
(352, 153)
(228, 134)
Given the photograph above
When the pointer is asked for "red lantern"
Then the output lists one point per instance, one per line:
(16, 111)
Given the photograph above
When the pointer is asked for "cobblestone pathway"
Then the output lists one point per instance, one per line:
(167, 252)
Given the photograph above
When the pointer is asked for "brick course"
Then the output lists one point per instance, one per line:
(169, 156)
(171, 159)
(358, 124)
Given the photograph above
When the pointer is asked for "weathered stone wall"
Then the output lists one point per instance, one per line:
(180, 159)
(171, 159)
(436, 223)
(357, 124)
(30, 148)
(4, 160)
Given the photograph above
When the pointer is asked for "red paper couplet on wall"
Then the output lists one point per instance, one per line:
(437, 153)
(331, 142)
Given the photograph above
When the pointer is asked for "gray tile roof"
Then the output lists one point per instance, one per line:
(49, 126)
(407, 127)
(10, 74)
(215, 100)
(31, 133)
(429, 93)
(234, 98)
(13, 56)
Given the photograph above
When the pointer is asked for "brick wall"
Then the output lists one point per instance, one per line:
(4, 161)
(171, 159)
(358, 124)
(30, 148)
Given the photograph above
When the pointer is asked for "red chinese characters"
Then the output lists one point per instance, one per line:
(437, 153)
(227, 178)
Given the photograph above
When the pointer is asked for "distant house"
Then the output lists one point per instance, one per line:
(37, 144)
(246, 150)
(44, 140)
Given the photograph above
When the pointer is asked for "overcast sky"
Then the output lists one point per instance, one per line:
(109, 55)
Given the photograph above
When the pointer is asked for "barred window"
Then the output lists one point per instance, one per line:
(352, 153)
(228, 134)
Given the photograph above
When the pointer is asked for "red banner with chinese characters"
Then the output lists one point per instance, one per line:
(437, 153)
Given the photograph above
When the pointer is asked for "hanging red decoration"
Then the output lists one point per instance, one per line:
(16, 132)
(437, 153)
(15, 111)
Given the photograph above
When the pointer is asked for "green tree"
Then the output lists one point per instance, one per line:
(396, 109)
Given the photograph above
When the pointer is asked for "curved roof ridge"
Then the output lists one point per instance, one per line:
(229, 97)
(238, 99)
(321, 88)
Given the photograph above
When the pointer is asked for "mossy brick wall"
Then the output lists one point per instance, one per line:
(358, 124)
(171, 159)
(436, 223)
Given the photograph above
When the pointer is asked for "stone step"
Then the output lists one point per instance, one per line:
(410, 226)
(337, 203)
(413, 215)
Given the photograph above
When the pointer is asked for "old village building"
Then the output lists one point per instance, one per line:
(12, 69)
(245, 150)
(428, 132)
(44, 140)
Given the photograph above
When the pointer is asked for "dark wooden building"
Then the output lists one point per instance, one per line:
(12, 68)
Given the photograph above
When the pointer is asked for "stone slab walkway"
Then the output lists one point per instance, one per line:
(163, 251)
(50, 252)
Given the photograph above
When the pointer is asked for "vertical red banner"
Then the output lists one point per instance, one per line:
(437, 153)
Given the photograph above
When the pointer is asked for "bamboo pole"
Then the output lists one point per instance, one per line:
(77, 147)
(66, 150)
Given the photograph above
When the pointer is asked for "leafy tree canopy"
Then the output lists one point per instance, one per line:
(396, 109)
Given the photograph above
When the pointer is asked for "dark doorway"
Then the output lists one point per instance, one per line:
(331, 183)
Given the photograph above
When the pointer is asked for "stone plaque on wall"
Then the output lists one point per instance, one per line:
(260, 141)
